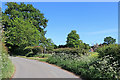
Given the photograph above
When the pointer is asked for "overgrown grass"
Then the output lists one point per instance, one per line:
(7, 68)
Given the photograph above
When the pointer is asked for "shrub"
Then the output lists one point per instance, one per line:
(88, 66)
(107, 67)
(29, 54)
(73, 63)
(28, 49)
(112, 49)
(37, 50)
(77, 51)
(32, 51)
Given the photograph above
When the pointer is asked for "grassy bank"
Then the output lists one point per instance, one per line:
(7, 68)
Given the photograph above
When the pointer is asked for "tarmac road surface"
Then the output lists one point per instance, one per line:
(26, 68)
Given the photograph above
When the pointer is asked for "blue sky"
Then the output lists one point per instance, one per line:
(93, 21)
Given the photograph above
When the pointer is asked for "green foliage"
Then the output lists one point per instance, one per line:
(107, 67)
(46, 47)
(73, 39)
(37, 50)
(112, 49)
(28, 12)
(55, 46)
(29, 48)
(84, 45)
(74, 42)
(37, 58)
(22, 34)
(74, 63)
(43, 55)
(29, 54)
(23, 25)
(91, 66)
(62, 46)
(7, 68)
(0, 17)
(78, 51)
(109, 40)
(50, 45)
(93, 54)
(32, 51)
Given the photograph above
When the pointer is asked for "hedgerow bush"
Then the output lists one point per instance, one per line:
(29, 54)
(37, 49)
(112, 49)
(74, 63)
(32, 51)
(88, 66)
(77, 51)
(107, 67)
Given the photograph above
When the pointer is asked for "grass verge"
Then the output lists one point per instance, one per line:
(34, 58)
(7, 68)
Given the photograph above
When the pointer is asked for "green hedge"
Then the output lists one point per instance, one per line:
(111, 50)
(89, 67)
(77, 51)
(74, 63)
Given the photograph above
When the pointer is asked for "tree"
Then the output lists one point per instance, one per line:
(23, 25)
(48, 45)
(109, 40)
(27, 12)
(73, 39)
(21, 35)
(55, 46)
(62, 46)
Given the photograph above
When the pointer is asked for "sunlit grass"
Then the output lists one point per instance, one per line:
(8, 70)
(35, 58)
(6, 66)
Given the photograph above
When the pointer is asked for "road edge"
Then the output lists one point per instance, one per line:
(54, 66)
